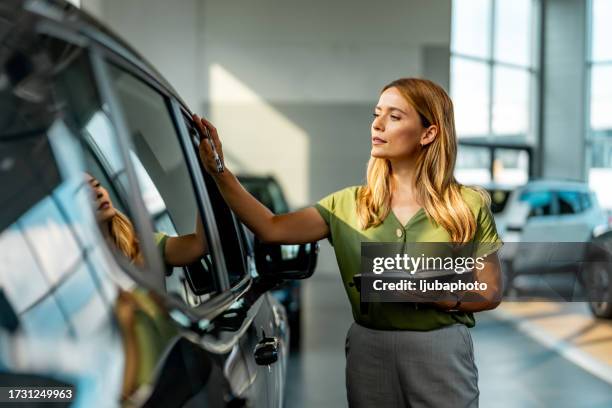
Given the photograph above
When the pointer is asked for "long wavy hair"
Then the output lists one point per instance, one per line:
(436, 187)
(124, 237)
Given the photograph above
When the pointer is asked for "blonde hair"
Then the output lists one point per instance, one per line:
(124, 237)
(435, 184)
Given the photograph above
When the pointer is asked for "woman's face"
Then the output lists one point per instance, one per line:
(103, 204)
(396, 128)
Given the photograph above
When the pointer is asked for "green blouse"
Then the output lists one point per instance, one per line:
(339, 212)
(160, 242)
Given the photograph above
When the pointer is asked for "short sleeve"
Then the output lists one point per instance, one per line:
(336, 206)
(486, 240)
(326, 206)
(160, 242)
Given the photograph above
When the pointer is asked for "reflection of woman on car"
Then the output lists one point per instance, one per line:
(118, 229)
(144, 327)
(398, 354)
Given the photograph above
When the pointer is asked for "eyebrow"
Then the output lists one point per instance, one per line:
(392, 108)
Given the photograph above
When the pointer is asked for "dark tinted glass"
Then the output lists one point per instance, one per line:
(570, 202)
(165, 182)
(540, 202)
(230, 230)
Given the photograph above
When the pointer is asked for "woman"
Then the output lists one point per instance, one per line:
(398, 354)
(118, 229)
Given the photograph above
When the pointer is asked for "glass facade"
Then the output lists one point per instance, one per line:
(599, 135)
(492, 84)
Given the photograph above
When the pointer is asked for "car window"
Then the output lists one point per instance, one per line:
(167, 189)
(231, 233)
(260, 189)
(278, 197)
(570, 202)
(50, 269)
(499, 199)
(540, 202)
(267, 191)
(104, 169)
(586, 201)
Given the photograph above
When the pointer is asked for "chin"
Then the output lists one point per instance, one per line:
(378, 154)
(106, 215)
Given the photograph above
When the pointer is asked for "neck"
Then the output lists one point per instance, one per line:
(402, 177)
(106, 230)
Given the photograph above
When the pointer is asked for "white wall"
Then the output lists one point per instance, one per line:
(324, 51)
(289, 84)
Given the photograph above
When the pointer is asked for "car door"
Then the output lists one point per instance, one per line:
(264, 322)
(61, 326)
(201, 285)
(541, 218)
(536, 232)
(573, 218)
(175, 190)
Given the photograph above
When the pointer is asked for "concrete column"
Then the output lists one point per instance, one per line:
(562, 141)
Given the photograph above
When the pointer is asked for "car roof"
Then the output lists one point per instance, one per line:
(545, 184)
(496, 186)
(15, 12)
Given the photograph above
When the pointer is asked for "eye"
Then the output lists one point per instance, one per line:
(395, 117)
(375, 115)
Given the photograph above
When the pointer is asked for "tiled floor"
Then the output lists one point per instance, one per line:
(514, 369)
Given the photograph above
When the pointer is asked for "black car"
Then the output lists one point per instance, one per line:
(99, 173)
(270, 193)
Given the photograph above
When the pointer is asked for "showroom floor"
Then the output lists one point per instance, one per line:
(522, 361)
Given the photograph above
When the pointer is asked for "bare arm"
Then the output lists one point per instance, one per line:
(480, 300)
(186, 249)
(298, 227)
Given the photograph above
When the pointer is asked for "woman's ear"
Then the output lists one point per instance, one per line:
(429, 135)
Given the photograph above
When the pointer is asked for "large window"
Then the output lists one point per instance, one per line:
(493, 80)
(599, 153)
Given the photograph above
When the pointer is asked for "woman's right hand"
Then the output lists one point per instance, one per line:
(207, 156)
(298, 227)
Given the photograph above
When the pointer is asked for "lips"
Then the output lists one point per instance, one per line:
(378, 140)
(104, 206)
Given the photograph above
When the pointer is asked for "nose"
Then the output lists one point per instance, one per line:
(97, 193)
(377, 124)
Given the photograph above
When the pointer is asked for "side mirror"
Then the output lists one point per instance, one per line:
(286, 261)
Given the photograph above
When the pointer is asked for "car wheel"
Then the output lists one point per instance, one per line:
(599, 290)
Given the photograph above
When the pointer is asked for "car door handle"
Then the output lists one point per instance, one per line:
(266, 351)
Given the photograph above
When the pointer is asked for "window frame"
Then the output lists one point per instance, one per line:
(190, 149)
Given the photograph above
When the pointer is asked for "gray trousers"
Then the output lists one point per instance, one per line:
(414, 369)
